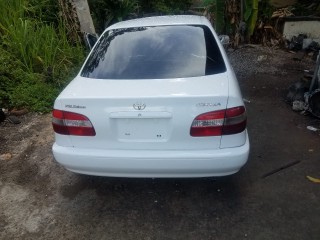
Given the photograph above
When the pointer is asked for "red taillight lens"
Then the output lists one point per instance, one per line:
(235, 121)
(217, 123)
(208, 124)
(69, 123)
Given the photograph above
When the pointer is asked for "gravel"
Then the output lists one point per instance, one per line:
(255, 59)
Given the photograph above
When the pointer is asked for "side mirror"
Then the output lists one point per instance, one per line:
(90, 40)
(224, 39)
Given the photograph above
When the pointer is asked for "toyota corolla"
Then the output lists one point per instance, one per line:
(156, 97)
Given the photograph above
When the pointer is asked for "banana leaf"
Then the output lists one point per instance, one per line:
(251, 15)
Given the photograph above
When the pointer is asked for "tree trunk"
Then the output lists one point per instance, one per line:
(84, 16)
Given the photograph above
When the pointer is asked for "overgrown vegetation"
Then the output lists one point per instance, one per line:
(168, 6)
(306, 8)
(257, 22)
(37, 58)
(107, 12)
(227, 15)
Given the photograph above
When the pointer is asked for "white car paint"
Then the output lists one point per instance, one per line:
(154, 141)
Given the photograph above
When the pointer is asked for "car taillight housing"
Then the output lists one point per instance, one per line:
(218, 123)
(69, 123)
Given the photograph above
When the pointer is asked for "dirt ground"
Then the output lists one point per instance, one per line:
(270, 198)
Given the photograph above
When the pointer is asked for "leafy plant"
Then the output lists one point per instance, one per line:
(34, 93)
(251, 15)
(217, 8)
(11, 74)
(43, 10)
(307, 8)
(19, 88)
(40, 46)
(106, 12)
(43, 57)
(169, 6)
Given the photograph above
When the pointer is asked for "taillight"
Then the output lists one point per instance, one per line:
(69, 123)
(217, 123)
(235, 121)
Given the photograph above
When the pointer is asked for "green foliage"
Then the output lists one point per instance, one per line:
(107, 12)
(11, 74)
(217, 7)
(265, 10)
(41, 47)
(251, 15)
(169, 6)
(220, 12)
(19, 88)
(306, 8)
(44, 10)
(35, 93)
(38, 46)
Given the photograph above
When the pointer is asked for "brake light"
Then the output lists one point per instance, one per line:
(217, 123)
(69, 123)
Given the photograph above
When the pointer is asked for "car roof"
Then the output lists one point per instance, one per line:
(162, 20)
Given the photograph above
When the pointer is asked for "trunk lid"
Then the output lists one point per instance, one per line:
(144, 114)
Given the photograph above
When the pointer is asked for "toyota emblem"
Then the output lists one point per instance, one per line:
(139, 106)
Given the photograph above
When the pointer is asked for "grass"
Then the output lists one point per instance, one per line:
(19, 88)
(39, 48)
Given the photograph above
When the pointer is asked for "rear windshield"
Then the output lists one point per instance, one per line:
(155, 53)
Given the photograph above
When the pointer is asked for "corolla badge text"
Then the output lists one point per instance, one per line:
(139, 106)
(208, 104)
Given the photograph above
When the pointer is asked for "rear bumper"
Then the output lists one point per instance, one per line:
(152, 163)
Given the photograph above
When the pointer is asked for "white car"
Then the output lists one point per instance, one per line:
(156, 97)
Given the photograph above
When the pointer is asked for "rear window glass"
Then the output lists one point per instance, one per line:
(155, 53)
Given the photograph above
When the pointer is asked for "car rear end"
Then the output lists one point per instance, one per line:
(153, 100)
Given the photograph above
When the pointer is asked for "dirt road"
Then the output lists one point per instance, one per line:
(41, 200)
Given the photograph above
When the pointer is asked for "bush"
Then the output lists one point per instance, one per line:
(19, 88)
(34, 92)
(11, 74)
(38, 52)
(107, 12)
(170, 6)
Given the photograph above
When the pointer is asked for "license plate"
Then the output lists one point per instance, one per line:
(141, 130)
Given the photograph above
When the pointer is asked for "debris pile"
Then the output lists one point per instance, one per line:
(302, 42)
(312, 97)
(11, 116)
(281, 13)
(304, 95)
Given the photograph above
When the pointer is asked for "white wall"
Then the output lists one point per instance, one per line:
(309, 28)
